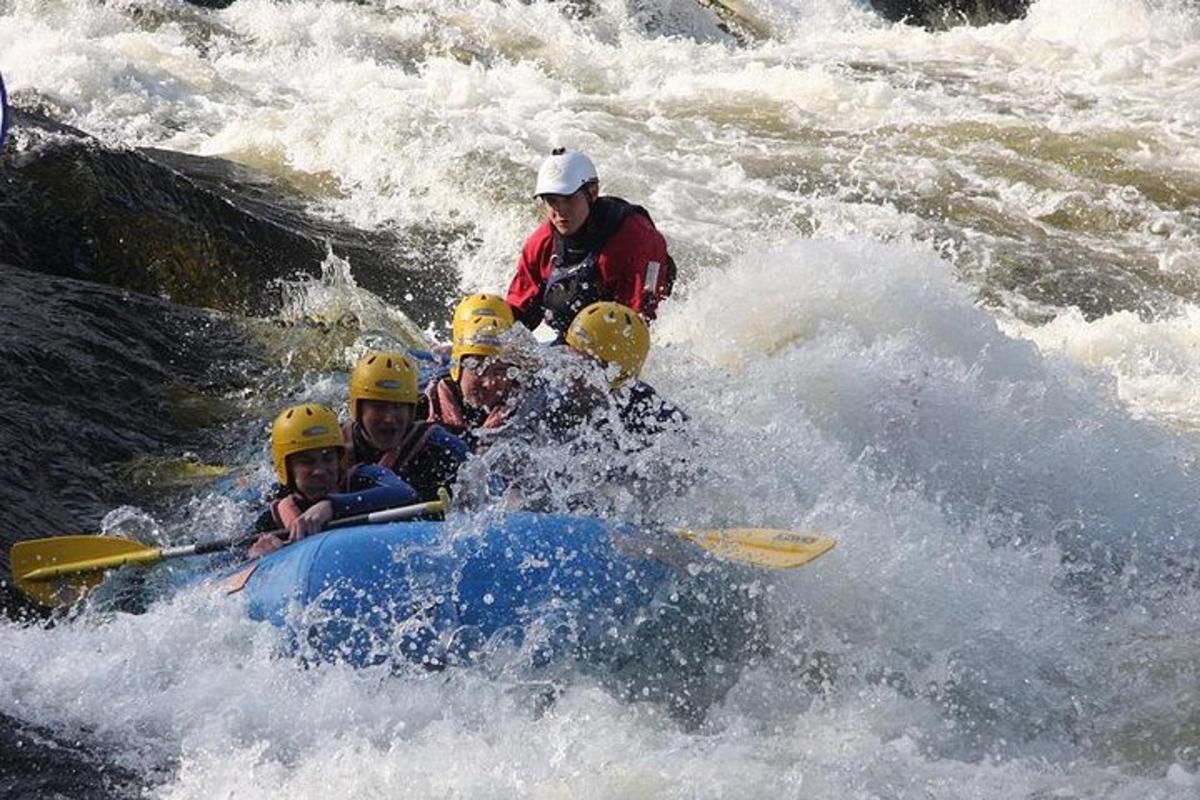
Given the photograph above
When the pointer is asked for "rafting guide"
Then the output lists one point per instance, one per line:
(590, 248)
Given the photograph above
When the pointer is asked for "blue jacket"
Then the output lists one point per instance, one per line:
(371, 488)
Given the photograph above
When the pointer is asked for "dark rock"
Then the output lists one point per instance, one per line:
(199, 231)
(939, 14)
(212, 3)
(38, 765)
(90, 376)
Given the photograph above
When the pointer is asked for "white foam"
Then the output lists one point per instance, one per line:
(1155, 362)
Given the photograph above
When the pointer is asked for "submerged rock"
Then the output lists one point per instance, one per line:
(36, 764)
(748, 22)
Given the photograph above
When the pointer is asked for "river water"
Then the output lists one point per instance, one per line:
(939, 298)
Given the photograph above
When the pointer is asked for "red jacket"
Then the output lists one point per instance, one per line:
(633, 264)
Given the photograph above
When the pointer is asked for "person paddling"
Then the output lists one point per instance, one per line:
(315, 486)
(561, 426)
(443, 401)
(488, 378)
(491, 387)
(618, 338)
(383, 429)
(590, 248)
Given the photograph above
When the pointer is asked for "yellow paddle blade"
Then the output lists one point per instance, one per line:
(762, 547)
(61, 570)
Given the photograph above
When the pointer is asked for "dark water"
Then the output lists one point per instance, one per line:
(945, 13)
(38, 765)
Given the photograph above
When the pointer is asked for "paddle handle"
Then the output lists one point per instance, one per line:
(429, 507)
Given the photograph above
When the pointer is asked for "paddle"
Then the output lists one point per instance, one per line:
(762, 547)
(60, 570)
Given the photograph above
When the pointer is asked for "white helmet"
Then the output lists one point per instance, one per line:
(564, 172)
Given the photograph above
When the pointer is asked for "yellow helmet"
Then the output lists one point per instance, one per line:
(482, 305)
(300, 428)
(613, 333)
(387, 376)
(476, 336)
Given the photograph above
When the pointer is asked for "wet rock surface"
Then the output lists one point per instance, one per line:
(198, 231)
(36, 765)
(92, 376)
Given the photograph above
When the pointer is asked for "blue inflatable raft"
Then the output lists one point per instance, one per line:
(549, 589)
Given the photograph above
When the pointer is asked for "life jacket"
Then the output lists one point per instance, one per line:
(496, 417)
(397, 458)
(446, 406)
(574, 280)
(644, 411)
(286, 510)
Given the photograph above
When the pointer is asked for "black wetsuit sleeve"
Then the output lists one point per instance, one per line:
(532, 316)
(437, 464)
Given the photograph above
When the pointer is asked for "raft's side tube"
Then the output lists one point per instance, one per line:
(434, 592)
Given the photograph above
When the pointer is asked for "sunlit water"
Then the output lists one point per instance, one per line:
(937, 299)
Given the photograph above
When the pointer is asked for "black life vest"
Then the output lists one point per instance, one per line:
(574, 281)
